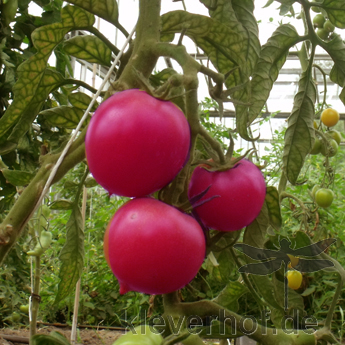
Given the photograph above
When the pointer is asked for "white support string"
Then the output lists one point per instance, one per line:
(82, 120)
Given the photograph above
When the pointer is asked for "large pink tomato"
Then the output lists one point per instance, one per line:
(153, 247)
(234, 199)
(136, 144)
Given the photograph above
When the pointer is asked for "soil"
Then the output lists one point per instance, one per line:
(84, 336)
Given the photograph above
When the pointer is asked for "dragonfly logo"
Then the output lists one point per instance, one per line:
(271, 260)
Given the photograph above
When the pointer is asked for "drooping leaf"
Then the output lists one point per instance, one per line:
(335, 11)
(16, 177)
(81, 100)
(33, 78)
(273, 207)
(64, 116)
(255, 233)
(89, 48)
(106, 9)
(300, 134)
(59, 336)
(272, 58)
(71, 256)
(61, 205)
(229, 296)
(336, 49)
(240, 13)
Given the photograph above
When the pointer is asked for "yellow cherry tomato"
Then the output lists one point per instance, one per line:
(330, 117)
(294, 279)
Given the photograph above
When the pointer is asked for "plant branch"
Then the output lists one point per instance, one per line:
(98, 34)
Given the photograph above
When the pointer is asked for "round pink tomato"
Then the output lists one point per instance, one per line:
(153, 247)
(234, 199)
(136, 144)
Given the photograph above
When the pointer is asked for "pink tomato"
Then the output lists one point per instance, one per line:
(136, 144)
(153, 247)
(234, 199)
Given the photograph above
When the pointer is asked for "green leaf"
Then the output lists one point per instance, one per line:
(342, 95)
(89, 48)
(59, 336)
(50, 81)
(336, 12)
(255, 233)
(308, 291)
(241, 12)
(229, 296)
(16, 177)
(90, 182)
(272, 58)
(61, 205)
(273, 207)
(336, 49)
(42, 339)
(81, 100)
(71, 256)
(33, 77)
(106, 9)
(265, 288)
(300, 134)
(224, 44)
(63, 117)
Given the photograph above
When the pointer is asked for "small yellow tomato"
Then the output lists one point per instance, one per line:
(330, 117)
(294, 279)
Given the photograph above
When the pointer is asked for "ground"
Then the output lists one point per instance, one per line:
(84, 336)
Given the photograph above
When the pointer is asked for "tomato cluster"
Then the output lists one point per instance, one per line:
(135, 145)
(324, 27)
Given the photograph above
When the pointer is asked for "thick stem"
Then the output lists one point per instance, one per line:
(35, 299)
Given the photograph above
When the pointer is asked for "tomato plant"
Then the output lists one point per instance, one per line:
(154, 248)
(322, 33)
(136, 144)
(324, 197)
(294, 279)
(235, 196)
(330, 117)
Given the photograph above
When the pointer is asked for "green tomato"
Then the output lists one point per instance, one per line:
(324, 197)
(316, 149)
(332, 150)
(314, 190)
(24, 308)
(328, 26)
(15, 317)
(322, 33)
(335, 135)
(319, 20)
(142, 335)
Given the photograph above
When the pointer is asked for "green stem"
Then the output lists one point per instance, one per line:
(35, 296)
(98, 34)
(79, 83)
